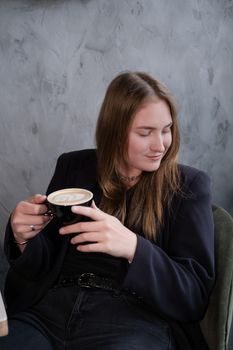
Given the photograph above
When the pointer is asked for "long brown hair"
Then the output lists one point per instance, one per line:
(124, 97)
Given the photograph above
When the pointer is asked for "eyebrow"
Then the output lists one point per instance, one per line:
(152, 128)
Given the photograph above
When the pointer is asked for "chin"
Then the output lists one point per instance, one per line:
(152, 167)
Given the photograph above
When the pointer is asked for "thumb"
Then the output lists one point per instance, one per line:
(37, 199)
(93, 205)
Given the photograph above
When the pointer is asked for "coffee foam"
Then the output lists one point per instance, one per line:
(71, 196)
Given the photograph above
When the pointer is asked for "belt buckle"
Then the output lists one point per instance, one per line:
(86, 280)
(90, 280)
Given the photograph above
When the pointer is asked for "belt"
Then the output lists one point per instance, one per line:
(88, 280)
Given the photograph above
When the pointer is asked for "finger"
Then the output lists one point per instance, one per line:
(39, 200)
(36, 228)
(25, 229)
(81, 227)
(27, 208)
(86, 237)
(94, 214)
(34, 209)
(31, 220)
(90, 248)
(43, 210)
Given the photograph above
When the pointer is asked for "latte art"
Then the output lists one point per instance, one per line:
(70, 197)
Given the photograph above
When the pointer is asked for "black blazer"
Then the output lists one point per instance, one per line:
(174, 275)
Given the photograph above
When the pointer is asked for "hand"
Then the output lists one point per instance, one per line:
(106, 234)
(28, 218)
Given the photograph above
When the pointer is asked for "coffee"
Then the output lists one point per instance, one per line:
(70, 196)
(61, 201)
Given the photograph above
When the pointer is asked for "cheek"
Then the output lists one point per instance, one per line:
(138, 146)
(167, 141)
(135, 145)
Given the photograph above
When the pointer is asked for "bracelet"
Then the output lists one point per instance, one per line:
(21, 243)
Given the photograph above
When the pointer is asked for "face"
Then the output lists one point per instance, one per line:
(149, 138)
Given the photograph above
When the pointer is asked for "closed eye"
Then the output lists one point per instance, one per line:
(144, 133)
(166, 130)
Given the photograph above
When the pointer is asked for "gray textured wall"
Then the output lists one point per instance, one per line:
(57, 57)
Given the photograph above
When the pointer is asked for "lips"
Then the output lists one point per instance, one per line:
(154, 157)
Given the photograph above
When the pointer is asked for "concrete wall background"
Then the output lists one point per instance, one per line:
(57, 58)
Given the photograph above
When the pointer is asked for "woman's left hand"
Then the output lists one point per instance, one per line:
(106, 234)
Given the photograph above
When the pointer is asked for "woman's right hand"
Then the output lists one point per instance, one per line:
(28, 218)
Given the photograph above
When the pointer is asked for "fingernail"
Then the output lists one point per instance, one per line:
(74, 208)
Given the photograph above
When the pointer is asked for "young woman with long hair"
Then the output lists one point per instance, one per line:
(137, 271)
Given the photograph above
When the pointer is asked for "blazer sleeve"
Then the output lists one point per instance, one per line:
(39, 254)
(176, 282)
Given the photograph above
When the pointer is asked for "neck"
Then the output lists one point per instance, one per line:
(128, 179)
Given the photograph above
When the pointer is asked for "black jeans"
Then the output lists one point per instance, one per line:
(76, 318)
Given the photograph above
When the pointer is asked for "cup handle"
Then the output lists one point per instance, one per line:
(49, 212)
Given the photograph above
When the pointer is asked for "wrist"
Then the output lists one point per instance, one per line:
(130, 257)
(21, 242)
(17, 239)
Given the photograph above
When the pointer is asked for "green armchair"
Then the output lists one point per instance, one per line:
(217, 323)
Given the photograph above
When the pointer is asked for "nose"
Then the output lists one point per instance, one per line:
(157, 144)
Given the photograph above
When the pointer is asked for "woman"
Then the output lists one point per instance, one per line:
(144, 251)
